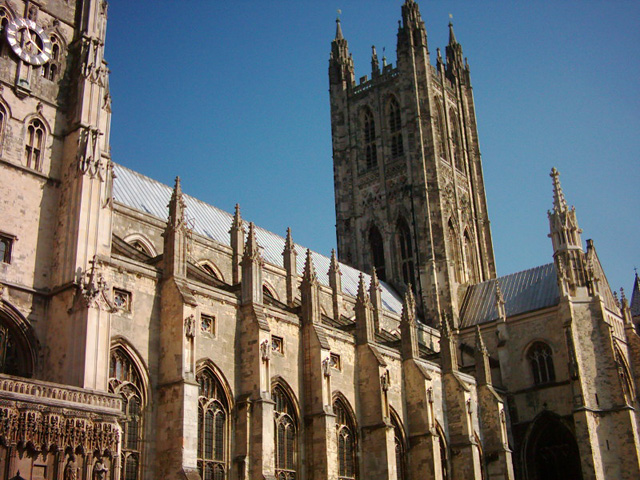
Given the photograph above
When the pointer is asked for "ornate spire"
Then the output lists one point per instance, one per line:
(334, 267)
(452, 35)
(559, 202)
(288, 242)
(338, 30)
(237, 219)
(455, 63)
(309, 272)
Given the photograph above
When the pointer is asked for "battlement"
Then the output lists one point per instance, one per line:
(388, 73)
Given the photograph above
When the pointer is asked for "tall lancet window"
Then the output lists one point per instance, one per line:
(395, 128)
(346, 431)
(377, 252)
(34, 144)
(286, 433)
(470, 258)
(454, 250)
(442, 131)
(370, 150)
(406, 252)
(398, 434)
(458, 153)
(213, 427)
(125, 379)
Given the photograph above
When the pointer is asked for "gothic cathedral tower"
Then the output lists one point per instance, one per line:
(409, 190)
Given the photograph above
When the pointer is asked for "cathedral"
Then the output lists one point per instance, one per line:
(146, 335)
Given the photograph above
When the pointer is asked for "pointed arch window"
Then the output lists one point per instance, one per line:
(213, 428)
(4, 21)
(458, 154)
(395, 128)
(125, 379)
(346, 431)
(14, 350)
(377, 252)
(370, 150)
(398, 436)
(454, 250)
(34, 144)
(540, 358)
(444, 454)
(3, 121)
(442, 132)
(470, 258)
(286, 435)
(52, 67)
(406, 252)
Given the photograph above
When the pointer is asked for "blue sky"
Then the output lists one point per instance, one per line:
(233, 97)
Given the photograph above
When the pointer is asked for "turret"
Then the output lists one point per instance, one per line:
(411, 31)
(341, 70)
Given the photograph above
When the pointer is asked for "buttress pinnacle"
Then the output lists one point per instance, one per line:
(338, 30)
(559, 202)
(309, 272)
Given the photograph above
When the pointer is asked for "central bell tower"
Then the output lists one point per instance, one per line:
(409, 189)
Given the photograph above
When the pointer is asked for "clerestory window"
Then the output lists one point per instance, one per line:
(540, 358)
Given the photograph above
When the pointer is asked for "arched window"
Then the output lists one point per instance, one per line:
(395, 129)
(455, 251)
(444, 454)
(398, 436)
(442, 132)
(213, 428)
(377, 252)
(541, 359)
(14, 350)
(406, 252)
(286, 435)
(4, 21)
(3, 121)
(51, 68)
(125, 379)
(34, 144)
(370, 151)
(209, 269)
(470, 258)
(458, 154)
(346, 431)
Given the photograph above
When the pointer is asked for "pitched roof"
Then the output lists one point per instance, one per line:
(144, 194)
(524, 291)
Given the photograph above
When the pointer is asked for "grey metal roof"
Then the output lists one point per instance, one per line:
(522, 292)
(150, 196)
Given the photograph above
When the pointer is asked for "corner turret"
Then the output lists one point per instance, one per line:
(341, 71)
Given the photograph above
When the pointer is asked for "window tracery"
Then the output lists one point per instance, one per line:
(34, 144)
(406, 252)
(442, 132)
(52, 67)
(126, 380)
(371, 153)
(395, 128)
(286, 435)
(540, 358)
(346, 432)
(213, 426)
(398, 436)
(458, 154)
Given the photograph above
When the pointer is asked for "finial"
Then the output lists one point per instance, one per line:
(374, 279)
(452, 35)
(252, 247)
(409, 307)
(623, 297)
(309, 272)
(559, 202)
(384, 57)
(177, 187)
(237, 219)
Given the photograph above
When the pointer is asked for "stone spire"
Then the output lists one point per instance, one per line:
(375, 64)
(339, 35)
(309, 272)
(559, 202)
(237, 244)
(175, 236)
(452, 36)
(409, 328)
(252, 270)
(365, 330)
(290, 258)
(375, 294)
(635, 301)
(455, 63)
(483, 368)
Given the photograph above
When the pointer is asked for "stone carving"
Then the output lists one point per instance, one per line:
(265, 351)
(100, 470)
(190, 326)
(326, 367)
(92, 289)
(385, 380)
(71, 468)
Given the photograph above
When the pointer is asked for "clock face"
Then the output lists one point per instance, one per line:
(29, 41)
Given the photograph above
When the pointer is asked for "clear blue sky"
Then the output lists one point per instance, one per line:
(233, 97)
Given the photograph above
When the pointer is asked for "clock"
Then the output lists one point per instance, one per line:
(29, 41)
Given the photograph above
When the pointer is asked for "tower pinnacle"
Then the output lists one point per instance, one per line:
(338, 30)
(559, 202)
